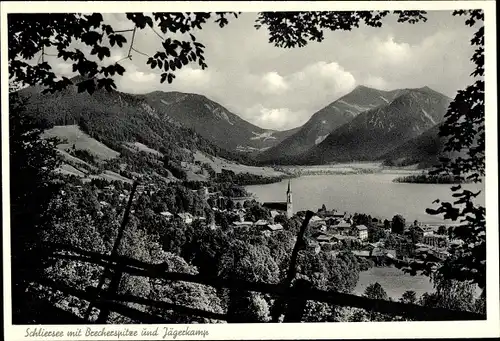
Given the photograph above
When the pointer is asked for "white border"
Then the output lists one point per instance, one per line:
(489, 328)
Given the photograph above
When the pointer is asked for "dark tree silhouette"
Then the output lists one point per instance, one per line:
(49, 36)
(409, 296)
(376, 292)
(398, 224)
(32, 162)
(464, 129)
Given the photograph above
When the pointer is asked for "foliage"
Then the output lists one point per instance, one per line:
(375, 292)
(375, 234)
(32, 187)
(451, 294)
(409, 297)
(398, 224)
(53, 34)
(465, 133)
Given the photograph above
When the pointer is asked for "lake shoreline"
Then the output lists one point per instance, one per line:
(375, 194)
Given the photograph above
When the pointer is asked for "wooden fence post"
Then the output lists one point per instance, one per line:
(115, 248)
(292, 270)
(296, 306)
(114, 285)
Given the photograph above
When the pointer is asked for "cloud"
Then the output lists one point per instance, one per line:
(281, 88)
(275, 118)
(376, 82)
(273, 83)
(393, 52)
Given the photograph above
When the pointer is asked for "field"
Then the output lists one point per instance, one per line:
(71, 135)
(218, 164)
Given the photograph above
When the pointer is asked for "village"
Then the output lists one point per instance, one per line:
(328, 230)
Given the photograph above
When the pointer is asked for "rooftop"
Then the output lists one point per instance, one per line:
(279, 206)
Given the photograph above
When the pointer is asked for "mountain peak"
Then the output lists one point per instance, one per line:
(362, 87)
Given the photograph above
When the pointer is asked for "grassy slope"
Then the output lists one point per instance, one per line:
(218, 164)
(72, 135)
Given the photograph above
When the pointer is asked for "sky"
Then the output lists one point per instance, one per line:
(278, 88)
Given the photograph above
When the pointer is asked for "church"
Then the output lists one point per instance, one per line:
(282, 206)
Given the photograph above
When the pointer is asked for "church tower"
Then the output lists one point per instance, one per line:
(289, 204)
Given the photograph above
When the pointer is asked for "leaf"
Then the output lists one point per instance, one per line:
(163, 77)
(87, 85)
(171, 77)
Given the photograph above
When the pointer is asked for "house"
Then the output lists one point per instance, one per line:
(187, 218)
(435, 240)
(381, 252)
(284, 207)
(325, 238)
(274, 227)
(343, 228)
(312, 245)
(391, 254)
(331, 221)
(261, 223)
(369, 247)
(275, 206)
(419, 232)
(361, 253)
(167, 215)
(440, 254)
(360, 231)
(274, 214)
(242, 223)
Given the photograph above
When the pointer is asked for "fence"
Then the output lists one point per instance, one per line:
(291, 300)
(296, 296)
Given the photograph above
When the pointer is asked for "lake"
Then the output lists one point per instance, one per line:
(373, 194)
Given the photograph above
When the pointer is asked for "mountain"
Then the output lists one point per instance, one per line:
(423, 150)
(214, 122)
(375, 132)
(323, 122)
(115, 118)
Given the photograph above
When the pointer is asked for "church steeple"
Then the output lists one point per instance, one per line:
(289, 204)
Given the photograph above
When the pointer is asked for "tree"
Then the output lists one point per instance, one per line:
(51, 35)
(409, 297)
(32, 187)
(450, 294)
(415, 236)
(376, 292)
(442, 230)
(375, 234)
(398, 224)
(464, 131)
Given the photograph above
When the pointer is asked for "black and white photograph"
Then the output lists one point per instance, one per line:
(172, 165)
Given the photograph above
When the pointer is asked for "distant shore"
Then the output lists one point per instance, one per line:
(424, 178)
(345, 169)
